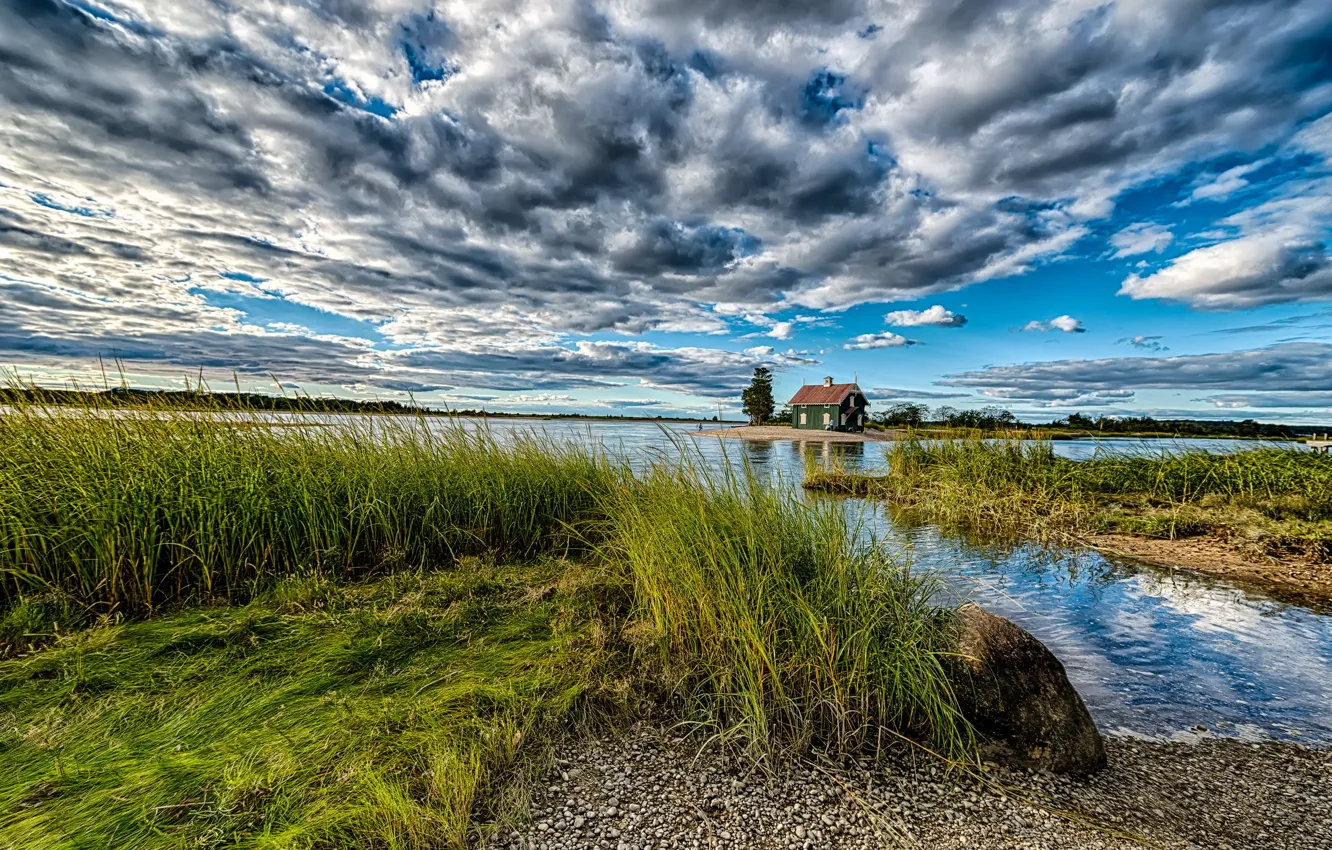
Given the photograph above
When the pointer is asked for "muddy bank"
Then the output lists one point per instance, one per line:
(1290, 579)
(782, 432)
(648, 789)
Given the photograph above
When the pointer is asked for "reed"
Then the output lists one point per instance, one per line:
(772, 623)
(122, 512)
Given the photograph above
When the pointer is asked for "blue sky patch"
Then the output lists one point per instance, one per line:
(425, 39)
(826, 94)
(340, 91)
(264, 311)
(87, 212)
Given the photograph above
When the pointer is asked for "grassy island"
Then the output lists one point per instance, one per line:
(1267, 505)
(369, 635)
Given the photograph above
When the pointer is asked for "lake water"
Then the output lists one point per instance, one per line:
(1152, 652)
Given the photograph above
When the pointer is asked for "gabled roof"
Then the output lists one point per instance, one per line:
(819, 394)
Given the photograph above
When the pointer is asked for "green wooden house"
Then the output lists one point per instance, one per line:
(829, 407)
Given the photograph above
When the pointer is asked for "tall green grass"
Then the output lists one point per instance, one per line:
(122, 513)
(312, 646)
(774, 622)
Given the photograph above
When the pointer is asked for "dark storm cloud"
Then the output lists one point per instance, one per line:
(1291, 366)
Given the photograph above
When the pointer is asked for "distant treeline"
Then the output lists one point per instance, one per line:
(995, 418)
(207, 400)
(196, 399)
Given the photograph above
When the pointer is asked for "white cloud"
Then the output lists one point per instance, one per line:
(1221, 186)
(1147, 343)
(885, 339)
(935, 315)
(1067, 324)
(782, 330)
(1141, 238)
(1264, 268)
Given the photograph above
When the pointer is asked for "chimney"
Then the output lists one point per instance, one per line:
(827, 382)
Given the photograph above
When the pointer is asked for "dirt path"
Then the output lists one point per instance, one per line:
(782, 432)
(1294, 580)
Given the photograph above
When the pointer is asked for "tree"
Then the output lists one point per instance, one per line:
(757, 398)
(905, 413)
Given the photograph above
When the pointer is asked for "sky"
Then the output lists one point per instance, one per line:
(626, 206)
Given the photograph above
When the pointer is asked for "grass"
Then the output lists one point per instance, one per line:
(121, 514)
(320, 715)
(367, 635)
(1276, 500)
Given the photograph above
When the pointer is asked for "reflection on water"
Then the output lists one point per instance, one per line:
(1151, 652)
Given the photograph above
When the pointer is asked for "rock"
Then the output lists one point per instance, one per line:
(1017, 696)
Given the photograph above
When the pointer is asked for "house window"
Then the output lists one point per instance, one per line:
(841, 419)
(803, 418)
(826, 417)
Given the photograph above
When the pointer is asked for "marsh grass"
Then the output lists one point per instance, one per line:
(772, 623)
(1274, 498)
(366, 634)
(122, 513)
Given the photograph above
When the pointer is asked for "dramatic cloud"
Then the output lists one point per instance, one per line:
(1067, 324)
(426, 195)
(935, 315)
(886, 339)
(1146, 343)
(1141, 238)
(1296, 366)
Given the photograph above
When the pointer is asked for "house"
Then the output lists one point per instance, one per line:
(829, 407)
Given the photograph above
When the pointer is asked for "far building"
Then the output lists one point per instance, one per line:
(828, 407)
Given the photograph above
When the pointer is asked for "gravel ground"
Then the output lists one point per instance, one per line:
(647, 790)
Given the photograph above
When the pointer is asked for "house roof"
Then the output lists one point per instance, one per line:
(819, 394)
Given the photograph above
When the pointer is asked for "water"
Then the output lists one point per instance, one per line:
(1152, 652)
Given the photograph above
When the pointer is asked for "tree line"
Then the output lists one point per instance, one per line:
(995, 418)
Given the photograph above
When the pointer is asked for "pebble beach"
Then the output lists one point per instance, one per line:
(651, 789)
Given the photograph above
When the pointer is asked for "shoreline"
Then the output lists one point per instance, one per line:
(1299, 581)
(649, 787)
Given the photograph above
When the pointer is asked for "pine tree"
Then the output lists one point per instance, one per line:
(757, 398)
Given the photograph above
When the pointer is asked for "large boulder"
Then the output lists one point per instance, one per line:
(1017, 696)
